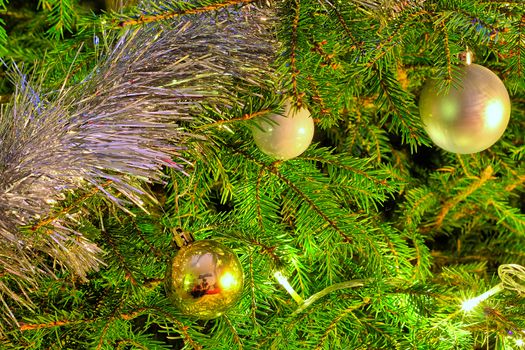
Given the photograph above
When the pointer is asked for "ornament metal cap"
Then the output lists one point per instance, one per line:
(181, 238)
(466, 56)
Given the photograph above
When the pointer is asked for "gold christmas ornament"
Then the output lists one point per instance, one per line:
(204, 279)
(471, 116)
(284, 136)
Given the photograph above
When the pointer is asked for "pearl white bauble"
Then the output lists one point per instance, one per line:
(471, 116)
(284, 136)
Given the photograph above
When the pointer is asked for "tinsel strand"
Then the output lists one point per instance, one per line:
(115, 131)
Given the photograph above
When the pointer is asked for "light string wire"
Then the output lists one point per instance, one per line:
(304, 304)
(512, 278)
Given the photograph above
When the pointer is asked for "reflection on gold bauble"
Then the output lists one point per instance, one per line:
(204, 279)
(471, 116)
(284, 136)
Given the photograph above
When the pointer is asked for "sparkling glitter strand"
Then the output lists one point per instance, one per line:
(116, 129)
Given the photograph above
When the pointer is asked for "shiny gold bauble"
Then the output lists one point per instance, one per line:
(471, 116)
(284, 136)
(204, 279)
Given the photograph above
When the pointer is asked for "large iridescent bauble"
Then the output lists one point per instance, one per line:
(284, 136)
(471, 116)
(204, 279)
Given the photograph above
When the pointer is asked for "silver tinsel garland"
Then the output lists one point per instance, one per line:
(119, 127)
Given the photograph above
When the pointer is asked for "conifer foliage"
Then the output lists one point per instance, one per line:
(382, 235)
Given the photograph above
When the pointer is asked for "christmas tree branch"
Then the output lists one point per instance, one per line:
(293, 52)
(251, 286)
(446, 43)
(143, 19)
(332, 327)
(127, 316)
(514, 220)
(236, 338)
(316, 97)
(107, 321)
(516, 184)
(158, 253)
(355, 43)
(447, 206)
(126, 343)
(332, 223)
(129, 275)
(258, 198)
(35, 326)
(395, 38)
(421, 266)
(244, 117)
(333, 162)
(393, 94)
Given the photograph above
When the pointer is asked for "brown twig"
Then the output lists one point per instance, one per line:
(116, 252)
(293, 58)
(246, 116)
(174, 14)
(485, 176)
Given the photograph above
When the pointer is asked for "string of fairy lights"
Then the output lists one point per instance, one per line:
(512, 279)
